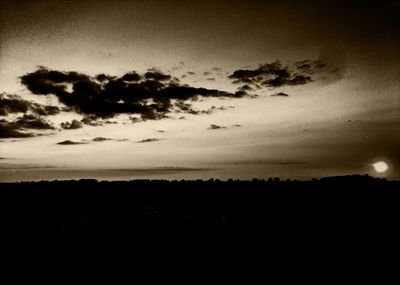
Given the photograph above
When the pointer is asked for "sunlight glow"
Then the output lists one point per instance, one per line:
(380, 167)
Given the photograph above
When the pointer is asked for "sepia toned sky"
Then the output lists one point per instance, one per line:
(198, 89)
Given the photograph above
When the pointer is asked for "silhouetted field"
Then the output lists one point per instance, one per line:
(88, 209)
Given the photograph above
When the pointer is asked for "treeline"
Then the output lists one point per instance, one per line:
(92, 209)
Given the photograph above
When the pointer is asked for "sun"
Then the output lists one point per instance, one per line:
(380, 167)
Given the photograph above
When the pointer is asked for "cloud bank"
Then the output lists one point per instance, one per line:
(275, 74)
(152, 95)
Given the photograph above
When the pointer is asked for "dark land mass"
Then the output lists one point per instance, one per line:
(88, 208)
(227, 226)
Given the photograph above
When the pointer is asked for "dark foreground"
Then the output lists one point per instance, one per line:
(89, 209)
(265, 226)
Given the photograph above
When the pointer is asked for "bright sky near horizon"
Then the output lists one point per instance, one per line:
(198, 90)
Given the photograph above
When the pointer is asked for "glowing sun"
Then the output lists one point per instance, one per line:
(380, 167)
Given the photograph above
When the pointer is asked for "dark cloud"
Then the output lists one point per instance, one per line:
(92, 120)
(101, 139)
(216, 69)
(135, 119)
(8, 130)
(45, 110)
(69, 142)
(74, 124)
(279, 94)
(102, 97)
(157, 75)
(32, 122)
(191, 73)
(270, 75)
(223, 107)
(17, 128)
(241, 93)
(149, 140)
(245, 88)
(276, 75)
(210, 79)
(216, 127)
(188, 108)
(320, 70)
(131, 77)
(104, 77)
(10, 104)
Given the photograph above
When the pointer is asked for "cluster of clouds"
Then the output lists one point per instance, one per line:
(218, 127)
(103, 139)
(152, 95)
(12, 104)
(275, 74)
(96, 139)
(31, 118)
(18, 127)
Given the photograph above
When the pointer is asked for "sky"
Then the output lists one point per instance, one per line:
(198, 89)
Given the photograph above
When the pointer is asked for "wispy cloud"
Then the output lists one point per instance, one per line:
(150, 140)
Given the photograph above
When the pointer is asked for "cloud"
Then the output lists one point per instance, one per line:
(104, 77)
(245, 88)
(216, 127)
(8, 130)
(270, 75)
(75, 124)
(10, 104)
(149, 140)
(279, 94)
(188, 108)
(92, 120)
(131, 77)
(45, 110)
(101, 139)
(69, 142)
(32, 122)
(150, 96)
(157, 75)
(17, 128)
(276, 75)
